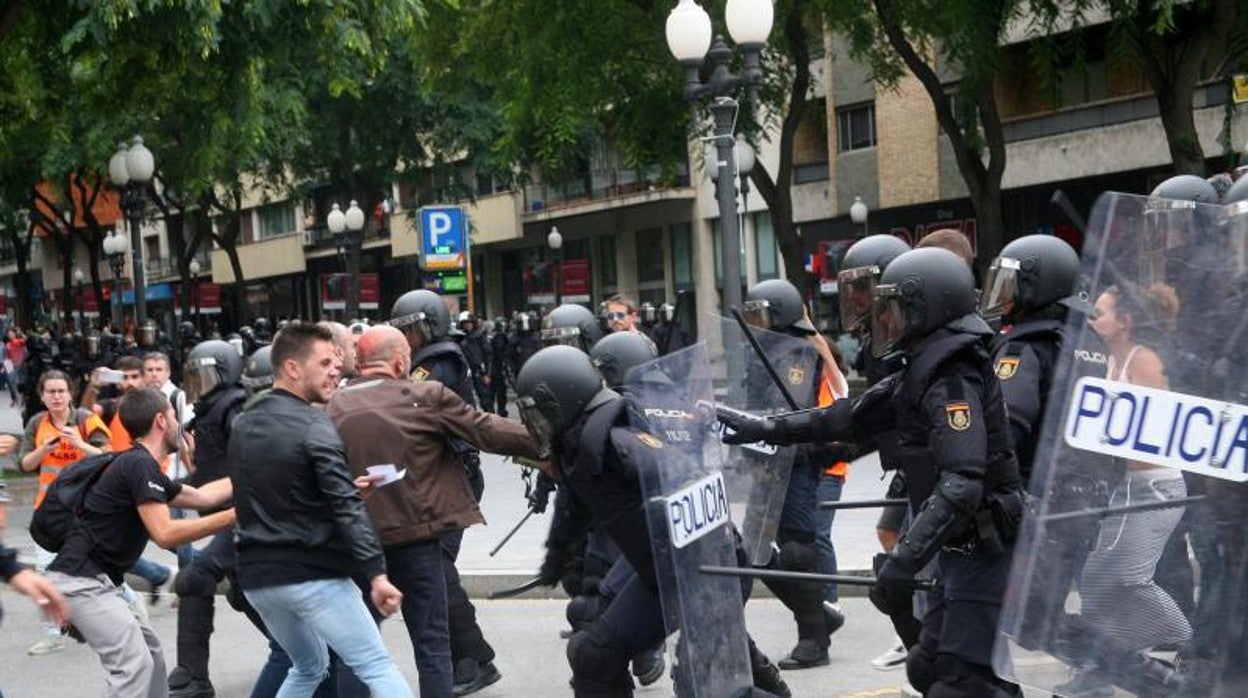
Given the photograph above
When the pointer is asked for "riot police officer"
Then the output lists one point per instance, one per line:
(776, 305)
(212, 374)
(499, 367)
(668, 334)
(568, 410)
(524, 341)
(476, 349)
(953, 445)
(264, 332)
(573, 325)
(425, 321)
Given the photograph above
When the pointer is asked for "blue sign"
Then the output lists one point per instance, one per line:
(155, 292)
(444, 237)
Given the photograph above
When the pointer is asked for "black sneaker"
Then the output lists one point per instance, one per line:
(648, 666)
(194, 688)
(805, 656)
(470, 676)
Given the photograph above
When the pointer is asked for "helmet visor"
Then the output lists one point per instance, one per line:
(568, 336)
(540, 428)
(237, 343)
(757, 313)
(420, 320)
(855, 289)
(1000, 288)
(200, 377)
(147, 336)
(888, 320)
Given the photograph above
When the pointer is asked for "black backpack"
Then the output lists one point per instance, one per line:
(65, 500)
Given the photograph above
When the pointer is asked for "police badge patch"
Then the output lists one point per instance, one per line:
(420, 374)
(958, 414)
(1006, 368)
(796, 375)
(649, 440)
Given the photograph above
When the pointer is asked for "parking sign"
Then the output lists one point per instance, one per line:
(444, 237)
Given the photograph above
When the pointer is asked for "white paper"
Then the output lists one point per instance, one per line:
(387, 473)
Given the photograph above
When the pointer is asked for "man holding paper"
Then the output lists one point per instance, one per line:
(400, 431)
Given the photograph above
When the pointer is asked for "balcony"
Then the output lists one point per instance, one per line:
(318, 237)
(167, 267)
(598, 185)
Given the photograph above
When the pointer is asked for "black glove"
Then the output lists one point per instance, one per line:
(555, 565)
(893, 585)
(743, 427)
(539, 496)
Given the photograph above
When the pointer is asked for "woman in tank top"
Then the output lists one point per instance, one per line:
(1117, 591)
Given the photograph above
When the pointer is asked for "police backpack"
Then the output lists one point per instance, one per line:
(65, 501)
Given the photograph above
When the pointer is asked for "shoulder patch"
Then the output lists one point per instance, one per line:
(649, 440)
(1007, 366)
(420, 374)
(958, 414)
(796, 375)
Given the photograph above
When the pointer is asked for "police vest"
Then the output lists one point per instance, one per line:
(444, 361)
(65, 452)
(914, 428)
(1043, 338)
(212, 433)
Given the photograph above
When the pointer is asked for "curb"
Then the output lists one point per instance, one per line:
(480, 584)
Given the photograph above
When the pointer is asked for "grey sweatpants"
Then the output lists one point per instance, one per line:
(128, 647)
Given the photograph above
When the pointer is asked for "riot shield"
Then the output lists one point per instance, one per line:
(1141, 458)
(758, 474)
(670, 404)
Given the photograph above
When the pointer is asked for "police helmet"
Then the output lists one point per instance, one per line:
(235, 340)
(619, 352)
(258, 375)
(211, 365)
(524, 322)
(91, 344)
(1238, 193)
(648, 313)
(860, 269)
(146, 335)
(573, 325)
(1031, 273)
(261, 324)
(423, 310)
(667, 312)
(1186, 187)
(358, 327)
(553, 388)
(920, 292)
(777, 305)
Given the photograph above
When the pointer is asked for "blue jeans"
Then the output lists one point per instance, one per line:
(154, 573)
(310, 617)
(829, 491)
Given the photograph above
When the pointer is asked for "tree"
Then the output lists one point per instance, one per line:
(570, 76)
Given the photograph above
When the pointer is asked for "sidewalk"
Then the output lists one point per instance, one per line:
(504, 505)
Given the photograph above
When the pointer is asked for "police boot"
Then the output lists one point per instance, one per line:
(190, 678)
(648, 666)
(765, 674)
(472, 676)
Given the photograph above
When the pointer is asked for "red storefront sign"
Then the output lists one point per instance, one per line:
(574, 280)
(334, 291)
(204, 296)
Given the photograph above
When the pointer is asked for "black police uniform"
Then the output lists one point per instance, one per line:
(521, 346)
(1025, 359)
(476, 349)
(197, 584)
(498, 373)
(443, 361)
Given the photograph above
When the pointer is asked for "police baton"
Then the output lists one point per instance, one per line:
(762, 356)
(512, 532)
(1102, 512)
(865, 504)
(516, 591)
(848, 580)
(671, 326)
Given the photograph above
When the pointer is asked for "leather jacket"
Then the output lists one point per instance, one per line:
(293, 491)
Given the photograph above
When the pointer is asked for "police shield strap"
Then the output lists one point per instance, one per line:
(689, 516)
(758, 474)
(1138, 544)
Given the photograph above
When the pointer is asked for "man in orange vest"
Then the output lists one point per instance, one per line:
(131, 368)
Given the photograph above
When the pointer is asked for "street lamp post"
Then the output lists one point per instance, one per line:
(555, 242)
(195, 267)
(78, 276)
(689, 38)
(348, 230)
(115, 251)
(858, 214)
(131, 169)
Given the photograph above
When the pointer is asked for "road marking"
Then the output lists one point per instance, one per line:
(874, 693)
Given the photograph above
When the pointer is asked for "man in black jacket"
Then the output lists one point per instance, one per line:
(302, 529)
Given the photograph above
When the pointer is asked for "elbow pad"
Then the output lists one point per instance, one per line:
(944, 516)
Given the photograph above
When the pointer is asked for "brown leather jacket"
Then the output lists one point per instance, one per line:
(391, 420)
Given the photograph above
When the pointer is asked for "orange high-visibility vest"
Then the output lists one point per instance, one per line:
(827, 396)
(65, 452)
(120, 441)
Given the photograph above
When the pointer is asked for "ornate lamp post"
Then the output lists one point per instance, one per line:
(115, 251)
(131, 169)
(689, 38)
(194, 269)
(554, 241)
(858, 214)
(78, 277)
(348, 230)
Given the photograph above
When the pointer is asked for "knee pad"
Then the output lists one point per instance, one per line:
(595, 665)
(798, 557)
(194, 581)
(583, 610)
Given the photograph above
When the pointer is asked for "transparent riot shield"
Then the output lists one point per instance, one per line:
(1136, 543)
(690, 524)
(758, 474)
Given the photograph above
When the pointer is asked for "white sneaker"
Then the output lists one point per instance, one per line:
(46, 645)
(894, 658)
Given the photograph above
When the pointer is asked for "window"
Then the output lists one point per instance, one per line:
(856, 127)
(650, 256)
(276, 220)
(682, 256)
(606, 264)
(765, 251)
